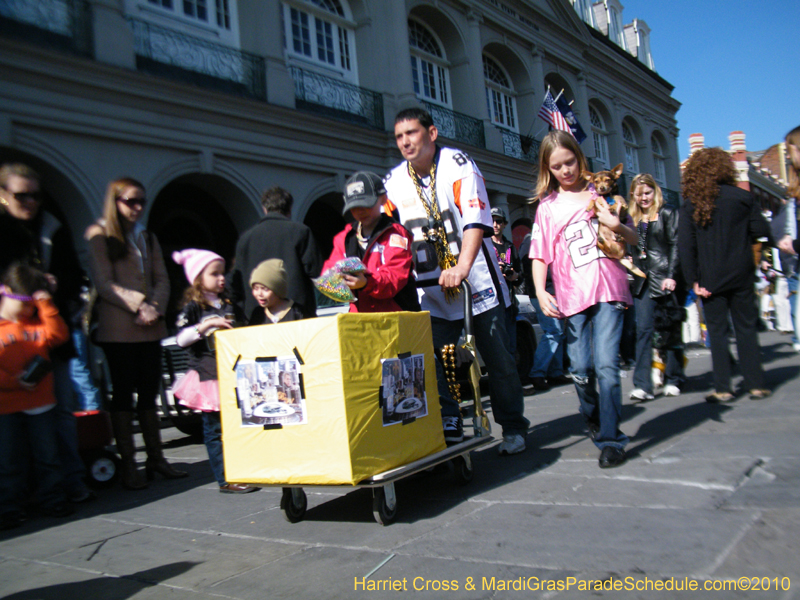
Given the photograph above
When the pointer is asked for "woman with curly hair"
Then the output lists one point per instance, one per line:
(718, 224)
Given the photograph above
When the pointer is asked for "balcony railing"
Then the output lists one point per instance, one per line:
(457, 126)
(337, 99)
(519, 146)
(169, 53)
(58, 24)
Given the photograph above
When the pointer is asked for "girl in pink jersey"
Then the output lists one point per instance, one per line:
(591, 289)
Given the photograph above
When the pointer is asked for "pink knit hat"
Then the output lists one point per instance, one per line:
(194, 261)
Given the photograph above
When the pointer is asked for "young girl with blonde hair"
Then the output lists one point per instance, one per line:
(591, 289)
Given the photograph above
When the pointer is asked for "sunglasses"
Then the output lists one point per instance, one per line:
(131, 202)
(21, 196)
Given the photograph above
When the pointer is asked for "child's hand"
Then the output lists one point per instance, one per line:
(215, 323)
(548, 305)
(605, 216)
(42, 295)
(355, 281)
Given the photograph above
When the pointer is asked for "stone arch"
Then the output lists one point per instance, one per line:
(194, 210)
(453, 40)
(522, 81)
(322, 213)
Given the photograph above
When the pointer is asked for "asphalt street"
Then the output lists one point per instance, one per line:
(709, 500)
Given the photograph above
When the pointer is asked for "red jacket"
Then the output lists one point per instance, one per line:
(389, 262)
(19, 342)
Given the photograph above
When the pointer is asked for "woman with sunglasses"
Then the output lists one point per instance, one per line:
(34, 237)
(133, 289)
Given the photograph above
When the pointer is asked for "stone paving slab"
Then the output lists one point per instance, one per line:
(624, 539)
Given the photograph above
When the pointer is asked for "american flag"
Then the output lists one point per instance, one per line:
(550, 113)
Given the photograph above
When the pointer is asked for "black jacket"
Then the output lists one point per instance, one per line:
(719, 256)
(276, 236)
(660, 245)
(46, 244)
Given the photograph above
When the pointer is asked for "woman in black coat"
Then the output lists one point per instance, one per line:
(719, 225)
(656, 255)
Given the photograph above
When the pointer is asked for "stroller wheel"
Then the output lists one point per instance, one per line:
(103, 469)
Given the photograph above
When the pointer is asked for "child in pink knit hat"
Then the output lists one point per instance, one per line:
(205, 310)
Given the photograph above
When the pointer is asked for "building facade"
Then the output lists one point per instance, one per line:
(209, 102)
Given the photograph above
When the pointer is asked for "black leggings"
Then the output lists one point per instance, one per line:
(134, 366)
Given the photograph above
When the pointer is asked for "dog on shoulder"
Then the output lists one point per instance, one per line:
(611, 244)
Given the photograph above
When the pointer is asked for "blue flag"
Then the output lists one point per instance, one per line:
(566, 110)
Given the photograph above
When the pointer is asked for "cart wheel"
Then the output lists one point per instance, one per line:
(103, 469)
(294, 504)
(384, 504)
(463, 468)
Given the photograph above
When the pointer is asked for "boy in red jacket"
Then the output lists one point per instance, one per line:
(29, 328)
(382, 244)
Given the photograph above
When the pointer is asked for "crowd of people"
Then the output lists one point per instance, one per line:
(419, 232)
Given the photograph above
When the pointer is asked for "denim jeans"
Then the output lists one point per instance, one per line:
(82, 383)
(593, 344)
(792, 281)
(66, 426)
(212, 436)
(37, 432)
(505, 389)
(549, 358)
(643, 372)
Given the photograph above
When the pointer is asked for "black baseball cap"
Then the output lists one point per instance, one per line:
(362, 189)
(497, 215)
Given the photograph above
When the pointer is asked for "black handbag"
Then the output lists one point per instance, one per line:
(668, 318)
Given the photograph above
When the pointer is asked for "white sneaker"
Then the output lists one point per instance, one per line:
(796, 347)
(513, 443)
(641, 395)
(672, 390)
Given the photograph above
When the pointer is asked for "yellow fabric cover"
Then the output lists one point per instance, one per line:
(344, 440)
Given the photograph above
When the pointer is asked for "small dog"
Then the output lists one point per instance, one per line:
(611, 244)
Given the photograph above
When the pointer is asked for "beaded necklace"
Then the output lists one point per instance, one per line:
(435, 232)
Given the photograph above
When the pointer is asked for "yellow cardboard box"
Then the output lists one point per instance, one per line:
(327, 401)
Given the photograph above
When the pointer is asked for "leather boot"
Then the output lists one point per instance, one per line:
(156, 463)
(122, 423)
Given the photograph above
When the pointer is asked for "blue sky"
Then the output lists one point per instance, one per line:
(735, 65)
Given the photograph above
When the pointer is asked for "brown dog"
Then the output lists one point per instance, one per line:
(611, 244)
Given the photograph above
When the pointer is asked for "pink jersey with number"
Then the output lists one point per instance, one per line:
(565, 237)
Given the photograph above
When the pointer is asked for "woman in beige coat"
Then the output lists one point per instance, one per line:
(133, 289)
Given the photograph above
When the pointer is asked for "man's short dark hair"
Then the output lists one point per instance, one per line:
(415, 114)
(277, 199)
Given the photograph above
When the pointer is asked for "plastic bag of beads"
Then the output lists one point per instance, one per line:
(331, 285)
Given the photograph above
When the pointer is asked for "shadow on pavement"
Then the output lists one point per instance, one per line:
(108, 588)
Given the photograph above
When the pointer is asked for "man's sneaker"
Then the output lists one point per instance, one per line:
(641, 395)
(593, 428)
(513, 443)
(672, 390)
(453, 429)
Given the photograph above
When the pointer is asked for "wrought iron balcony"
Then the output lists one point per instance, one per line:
(457, 126)
(337, 99)
(519, 146)
(169, 53)
(59, 24)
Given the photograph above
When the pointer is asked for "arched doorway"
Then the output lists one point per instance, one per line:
(325, 220)
(190, 213)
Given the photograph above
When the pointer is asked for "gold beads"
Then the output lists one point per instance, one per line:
(448, 353)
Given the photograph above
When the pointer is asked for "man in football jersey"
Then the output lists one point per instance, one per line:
(439, 195)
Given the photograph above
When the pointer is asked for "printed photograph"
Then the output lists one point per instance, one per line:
(403, 389)
(269, 392)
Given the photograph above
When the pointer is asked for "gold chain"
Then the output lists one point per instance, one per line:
(448, 354)
(437, 235)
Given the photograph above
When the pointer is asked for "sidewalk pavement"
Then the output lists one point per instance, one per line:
(710, 496)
